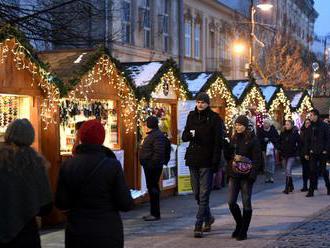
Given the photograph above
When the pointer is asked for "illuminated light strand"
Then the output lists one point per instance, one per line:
(219, 90)
(21, 57)
(281, 98)
(105, 68)
(251, 98)
(306, 105)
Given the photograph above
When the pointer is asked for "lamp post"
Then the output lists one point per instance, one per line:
(315, 67)
(263, 5)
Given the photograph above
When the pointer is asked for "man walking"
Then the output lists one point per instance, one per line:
(204, 131)
(154, 153)
(318, 147)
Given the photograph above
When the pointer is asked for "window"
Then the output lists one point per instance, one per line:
(165, 24)
(126, 23)
(187, 38)
(147, 25)
(197, 41)
(212, 40)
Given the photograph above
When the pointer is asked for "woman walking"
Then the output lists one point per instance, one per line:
(24, 188)
(92, 191)
(244, 156)
(289, 146)
(304, 161)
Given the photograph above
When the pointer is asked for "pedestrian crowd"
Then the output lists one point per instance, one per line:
(91, 188)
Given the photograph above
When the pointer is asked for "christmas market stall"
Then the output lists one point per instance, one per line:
(27, 89)
(301, 104)
(159, 89)
(96, 89)
(249, 100)
(277, 103)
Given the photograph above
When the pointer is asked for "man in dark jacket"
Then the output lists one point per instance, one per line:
(317, 149)
(204, 131)
(152, 158)
(268, 134)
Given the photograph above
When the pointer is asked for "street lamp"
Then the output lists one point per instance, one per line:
(315, 67)
(263, 5)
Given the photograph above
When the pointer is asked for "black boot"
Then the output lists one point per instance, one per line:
(198, 231)
(236, 212)
(310, 193)
(286, 190)
(247, 215)
(291, 187)
(304, 188)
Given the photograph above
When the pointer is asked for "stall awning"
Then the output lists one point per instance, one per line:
(197, 80)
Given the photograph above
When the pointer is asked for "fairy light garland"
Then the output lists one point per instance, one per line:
(281, 99)
(219, 89)
(21, 57)
(254, 96)
(105, 68)
(306, 105)
(145, 107)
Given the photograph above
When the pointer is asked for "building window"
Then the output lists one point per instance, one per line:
(187, 38)
(165, 22)
(147, 24)
(126, 24)
(197, 41)
(212, 40)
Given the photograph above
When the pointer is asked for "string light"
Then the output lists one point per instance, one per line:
(306, 105)
(280, 99)
(104, 67)
(21, 57)
(219, 90)
(254, 97)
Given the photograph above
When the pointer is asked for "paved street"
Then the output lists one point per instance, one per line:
(275, 214)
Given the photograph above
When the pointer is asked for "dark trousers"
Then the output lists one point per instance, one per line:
(318, 164)
(201, 182)
(305, 170)
(153, 174)
(242, 185)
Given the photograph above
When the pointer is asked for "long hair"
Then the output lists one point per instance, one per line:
(247, 135)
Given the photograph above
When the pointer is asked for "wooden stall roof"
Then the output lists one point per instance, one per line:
(72, 64)
(322, 104)
(269, 92)
(296, 97)
(202, 81)
(145, 76)
(240, 88)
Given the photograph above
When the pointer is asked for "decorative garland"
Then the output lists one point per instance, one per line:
(254, 94)
(280, 98)
(306, 104)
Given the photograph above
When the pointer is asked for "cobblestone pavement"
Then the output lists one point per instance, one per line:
(315, 232)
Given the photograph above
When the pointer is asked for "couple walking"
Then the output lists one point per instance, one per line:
(204, 131)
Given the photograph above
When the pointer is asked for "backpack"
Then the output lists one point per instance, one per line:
(168, 149)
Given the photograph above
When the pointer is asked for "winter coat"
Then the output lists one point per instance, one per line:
(289, 143)
(24, 194)
(266, 136)
(317, 138)
(92, 188)
(204, 150)
(153, 149)
(246, 145)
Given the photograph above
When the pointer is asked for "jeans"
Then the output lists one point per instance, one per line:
(269, 166)
(201, 182)
(318, 163)
(235, 186)
(288, 163)
(153, 174)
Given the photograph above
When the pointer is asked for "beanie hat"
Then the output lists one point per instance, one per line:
(20, 132)
(92, 132)
(243, 120)
(204, 97)
(152, 122)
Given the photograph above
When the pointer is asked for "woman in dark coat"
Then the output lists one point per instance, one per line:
(289, 146)
(304, 161)
(92, 191)
(24, 188)
(244, 143)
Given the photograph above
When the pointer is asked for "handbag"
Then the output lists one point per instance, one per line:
(241, 165)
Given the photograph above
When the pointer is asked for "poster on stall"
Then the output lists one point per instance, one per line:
(170, 170)
(184, 185)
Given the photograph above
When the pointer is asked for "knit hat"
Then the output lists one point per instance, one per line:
(243, 120)
(152, 122)
(20, 132)
(92, 132)
(204, 97)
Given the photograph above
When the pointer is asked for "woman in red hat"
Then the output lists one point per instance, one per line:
(92, 191)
